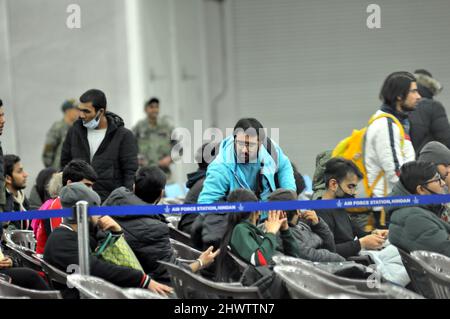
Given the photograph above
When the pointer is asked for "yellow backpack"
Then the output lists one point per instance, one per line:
(352, 148)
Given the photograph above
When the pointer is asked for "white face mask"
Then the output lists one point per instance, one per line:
(93, 124)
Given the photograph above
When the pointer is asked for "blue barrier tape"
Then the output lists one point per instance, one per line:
(234, 207)
(35, 214)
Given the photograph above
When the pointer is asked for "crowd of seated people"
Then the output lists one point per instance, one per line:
(247, 166)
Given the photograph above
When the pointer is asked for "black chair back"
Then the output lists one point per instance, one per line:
(437, 269)
(9, 290)
(191, 286)
(184, 252)
(417, 274)
(180, 236)
(54, 275)
(302, 284)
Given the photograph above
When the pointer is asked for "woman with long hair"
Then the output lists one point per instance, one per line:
(243, 237)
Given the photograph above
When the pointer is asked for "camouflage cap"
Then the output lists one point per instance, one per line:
(69, 104)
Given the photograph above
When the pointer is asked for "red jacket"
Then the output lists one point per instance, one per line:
(41, 236)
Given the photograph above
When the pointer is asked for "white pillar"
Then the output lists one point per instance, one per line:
(175, 76)
(136, 61)
(9, 140)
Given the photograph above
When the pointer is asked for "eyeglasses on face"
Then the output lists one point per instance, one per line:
(436, 178)
(250, 146)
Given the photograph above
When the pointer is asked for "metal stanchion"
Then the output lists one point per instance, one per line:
(83, 237)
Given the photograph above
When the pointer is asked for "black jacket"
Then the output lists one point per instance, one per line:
(429, 122)
(61, 251)
(195, 185)
(316, 242)
(2, 188)
(12, 206)
(147, 236)
(115, 161)
(208, 230)
(344, 230)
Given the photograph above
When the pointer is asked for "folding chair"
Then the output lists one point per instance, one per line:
(191, 286)
(302, 284)
(437, 269)
(183, 252)
(180, 236)
(419, 282)
(9, 290)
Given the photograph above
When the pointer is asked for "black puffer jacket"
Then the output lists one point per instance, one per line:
(147, 236)
(115, 161)
(429, 121)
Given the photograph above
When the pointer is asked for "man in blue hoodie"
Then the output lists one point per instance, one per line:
(248, 160)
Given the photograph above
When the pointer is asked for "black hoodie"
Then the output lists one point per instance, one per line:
(115, 161)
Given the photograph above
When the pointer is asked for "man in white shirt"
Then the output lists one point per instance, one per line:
(388, 145)
(100, 138)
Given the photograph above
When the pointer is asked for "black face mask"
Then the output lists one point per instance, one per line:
(438, 209)
(345, 195)
(432, 192)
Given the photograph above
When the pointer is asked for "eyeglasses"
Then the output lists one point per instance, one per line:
(437, 178)
(249, 146)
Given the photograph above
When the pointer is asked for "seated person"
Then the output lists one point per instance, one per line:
(299, 180)
(341, 178)
(61, 249)
(314, 237)
(147, 235)
(420, 227)
(249, 242)
(75, 171)
(43, 227)
(438, 154)
(15, 184)
(39, 193)
(22, 277)
(204, 156)
(208, 230)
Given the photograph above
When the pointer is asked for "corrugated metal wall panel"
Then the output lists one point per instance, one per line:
(314, 69)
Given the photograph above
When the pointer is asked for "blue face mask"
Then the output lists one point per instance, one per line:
(93, 124)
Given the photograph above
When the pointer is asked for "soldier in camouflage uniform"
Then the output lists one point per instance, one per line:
(154, 138)
(51, 155)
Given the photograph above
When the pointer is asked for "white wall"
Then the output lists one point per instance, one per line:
(179, 67)
(8, 140)
(311, 68)
(49, 62)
